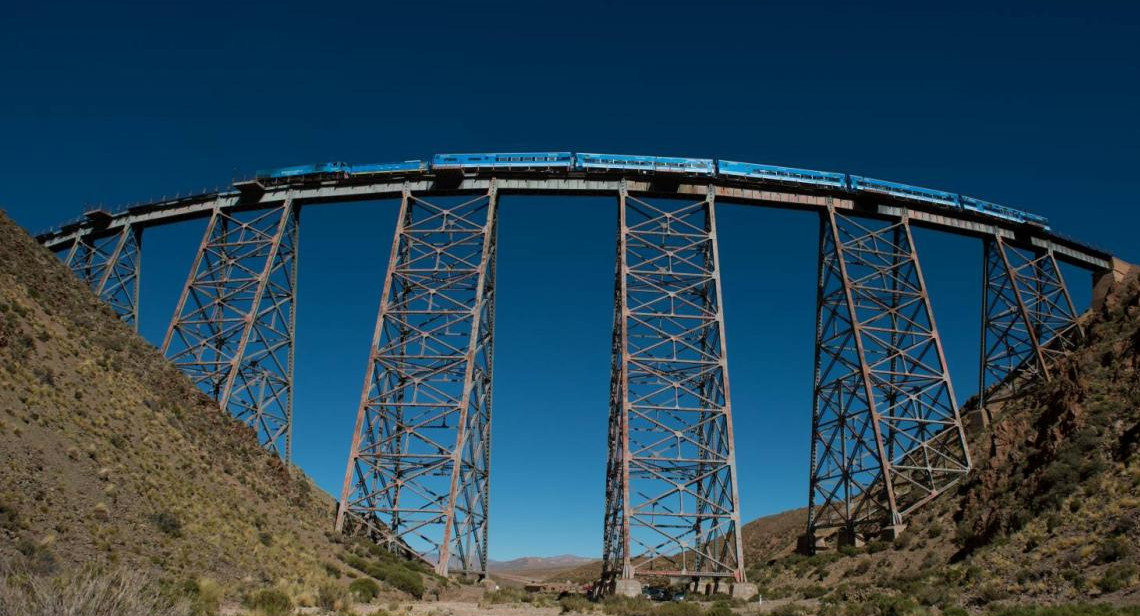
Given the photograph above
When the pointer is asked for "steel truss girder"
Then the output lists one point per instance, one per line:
(111, 265)
(671, 484)
(1028, 319)
(418, 470)
(233, 329)
(886, 433)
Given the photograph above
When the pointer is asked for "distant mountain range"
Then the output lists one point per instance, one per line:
(538, 564)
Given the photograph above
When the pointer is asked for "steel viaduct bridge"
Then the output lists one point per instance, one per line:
(887, 432)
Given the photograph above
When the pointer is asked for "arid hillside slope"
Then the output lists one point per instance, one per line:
(109, 455)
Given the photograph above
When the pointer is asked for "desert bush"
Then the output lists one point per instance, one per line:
(168, 523)
(38, 558)
(204, 596)
(575, 603)
(407, 581)
(364, 590)
(627, 606)
(813, 591)
(788, 609)
(392, 572)
(1074, 609)
(720, 608)
(876, 546)
(332, 596)
(878, 605)
(679, 608)
(1117, 577)
(1112, 550)
(991, 592)
(270, 602)
(87, 592)
(503, 595)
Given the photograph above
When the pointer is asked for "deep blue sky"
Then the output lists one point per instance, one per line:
(1031, 104)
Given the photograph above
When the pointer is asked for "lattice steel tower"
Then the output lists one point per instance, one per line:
(232, 331)
(886, 433)
(417, 476)
(111, 263)
(671, 497)
(1028, 320)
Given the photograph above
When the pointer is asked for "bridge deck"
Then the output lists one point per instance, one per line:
(253, 194)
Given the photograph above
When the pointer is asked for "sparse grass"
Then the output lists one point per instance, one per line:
(678, 608)
(502, 596)
(627, 606)
(1074, 609)
(576, 603)
(86, 593)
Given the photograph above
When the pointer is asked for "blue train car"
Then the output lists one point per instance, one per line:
(667, 164)
(1001, 211)
(508, 160)
(301, 170)
(782, 174)
(385, 168)
(905, 191)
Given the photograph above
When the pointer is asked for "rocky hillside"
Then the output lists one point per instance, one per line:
(1051, 515)
(109, 456)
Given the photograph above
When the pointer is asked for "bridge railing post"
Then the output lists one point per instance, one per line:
(886, 433)
(233, 328)
(671, 487)
(418, 471)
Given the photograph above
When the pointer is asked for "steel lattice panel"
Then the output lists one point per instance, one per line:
(233, 329)
(671, 499)
(111, 265)
(884, 404)
(418, 472)
(1028, 319)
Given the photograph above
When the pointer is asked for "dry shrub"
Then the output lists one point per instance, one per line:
(88, 592)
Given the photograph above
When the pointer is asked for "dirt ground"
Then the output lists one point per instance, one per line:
(469, 606)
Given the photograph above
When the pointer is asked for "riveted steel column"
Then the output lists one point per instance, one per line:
(671, 487)
(418, 470)
(233, 330)
(111, 263)
(886, 433)
(1028, 319)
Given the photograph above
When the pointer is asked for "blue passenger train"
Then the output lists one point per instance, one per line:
(506, 160)
(626, 163)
